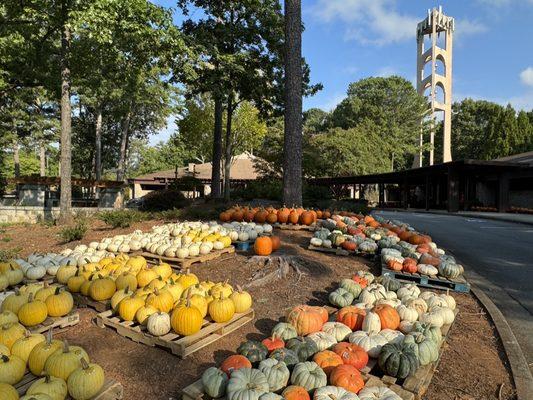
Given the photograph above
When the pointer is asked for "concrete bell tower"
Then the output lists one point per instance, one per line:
(435, 24)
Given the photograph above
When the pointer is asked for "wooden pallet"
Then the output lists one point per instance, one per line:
(294, 227)
(184, 263)
(418, 383)
(85, 301)
(458, 285)
(181, 346)
(57, 323)
(112, 390)
(47, 278)
(336, 251)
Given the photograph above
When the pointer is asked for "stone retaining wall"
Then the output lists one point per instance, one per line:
(17, 214)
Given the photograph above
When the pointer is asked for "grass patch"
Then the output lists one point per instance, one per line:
(74, 232)
(123, 218)
(7, 239)
(10, 254)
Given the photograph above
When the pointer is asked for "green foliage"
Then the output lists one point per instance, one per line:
(122, 218)
(9, 254)
(270, 189)
(145, 159)
(74, 232)
(166, 199)
(170, 215)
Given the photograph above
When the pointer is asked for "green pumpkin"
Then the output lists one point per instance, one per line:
(247, 384)
(337, 239)
(341, 297)
(450, 269)
(284, 331)
(426, 349)
(214, 382)
(322, 234)
(308, 375)
(253, 350)
(351, 286)
(289, 357)
(270, 396)
(398, 360)
(428, 330)
(276, 372)
(390, 283)
(305, 349)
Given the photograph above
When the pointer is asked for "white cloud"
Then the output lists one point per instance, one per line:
(465, 26)
(377, 21)
(333, 101)
(526, 76)
(519, 102)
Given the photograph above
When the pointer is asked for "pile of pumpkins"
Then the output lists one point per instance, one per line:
(66, 369)
(312, 353)
(30, 305)
(246, 231)
(155, 296)
(271, 215)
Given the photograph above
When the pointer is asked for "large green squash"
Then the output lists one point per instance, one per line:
(276, 372)
(430, 331)
(289, 357)
(305, 349)
(284, 331)
(351, 286)
(214, 382)
(341, 297)
(308, 375)
(247, 384)
(398, 360)
(450, 269)
(253, 350)
(426, 349)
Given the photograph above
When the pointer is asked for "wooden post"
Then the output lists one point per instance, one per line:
(502, 200)
(453, 190)
(426, 191)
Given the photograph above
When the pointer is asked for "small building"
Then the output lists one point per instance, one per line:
(195, 179)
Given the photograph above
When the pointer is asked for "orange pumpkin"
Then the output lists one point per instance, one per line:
(419, 239)
(273, 343)
(429, 259)
(263, 246)
(347, 377)
(261, 216)
(306, 218)
(389, 317)
(295, 393)
(368, 219)
(326, 214)
(319, 214)
(276, 242)
(225, 216)
(409, 265)
(293, 217)
(362, 281)
(235, 362)
(423, 248)
(349, 245)
(249, 216)
(306, 319)
(237, 215)
(351, 354)
(352, 317)
(395, 265)
(327, 360)
(272, 217)
(283, 215)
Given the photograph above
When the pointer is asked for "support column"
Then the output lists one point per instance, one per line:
(426, 192)
(453, 190)
(502, 200)
(405, 195)
(381, 190)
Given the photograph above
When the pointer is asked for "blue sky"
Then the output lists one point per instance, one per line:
(346, 40)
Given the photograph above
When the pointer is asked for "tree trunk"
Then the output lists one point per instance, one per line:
(42, 158)
(16, 159)
(292, 150)
(65, 215)
(98, 144)
(123, 147)
(217, 149)
(229, 150)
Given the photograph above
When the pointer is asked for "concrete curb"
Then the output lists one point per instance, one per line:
(503, 218)
(519, 368)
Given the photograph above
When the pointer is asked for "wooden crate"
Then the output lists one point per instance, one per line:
(184, 263)
(57, 323)
(112, 390)
(85, 301)
(294, 227)
(439, 282)
(181, 346)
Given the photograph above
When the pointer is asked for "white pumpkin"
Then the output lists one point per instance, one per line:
(377, 393)
(323, 340)
(316, 242)
(194, 250)
(218, 245)
(337, 329)
(448, 316)
(334, 392)
(449, 300)
(35, 273)
(392, 336)
(205, 248)
(407, 313)
(243, 236)
(371, 342)
(406, 327)
(434, 317)
(436, 301)
(426, 269)
(267, 228)
(158, 324)
(418, 304)
(409, 289)
(182, 253)
(371, 323)
(372, 293)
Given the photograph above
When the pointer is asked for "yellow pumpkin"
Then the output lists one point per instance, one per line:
(160, 299)
(194, 289)
(143, 292)
(41, 352)
(104, 261)
(84, 289)
(32, 288)
(74, 282)
(163, 270)
(5, 266)
(65, 361)
(33, 312)
(4, 350)
(129, 306)
(7, 317)
(126, 279)
(64, 272)
(23, 346)
(37, 396)
(102, 289)
(14, 301)
(174, 288)
(188, 279)
(99, 275)
(186, 320)
(136, 263)
(142, 314)
(222, 309)
(43, 293)
(118, 296)
(8, 392)
(157, 283)
(54, 387)
(14, 276)
(221, 289)
(242, 300)
(207, 285)
(60, 303)
(145, 276)
(10, 333)
(12, 369)
(85, 382)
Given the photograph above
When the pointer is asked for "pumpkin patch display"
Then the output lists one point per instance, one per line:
(263, 246)
(307, 319)
(351, 354)
(247, 384)
(308, 375)
(294, 392)
(398, 360)
(214, 382)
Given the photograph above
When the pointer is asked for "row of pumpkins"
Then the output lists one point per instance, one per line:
(66, 369)
(155, 296)
(309, 354)
(272, 215)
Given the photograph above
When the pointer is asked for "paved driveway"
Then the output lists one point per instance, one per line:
(498, 256)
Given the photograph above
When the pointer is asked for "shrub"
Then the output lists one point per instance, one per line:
(74, 232)
(166, 199)
(270, 189)
(122, 218)
(170, 215)
(201, 213)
